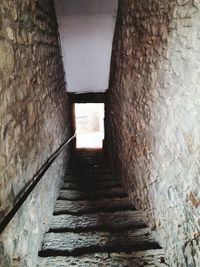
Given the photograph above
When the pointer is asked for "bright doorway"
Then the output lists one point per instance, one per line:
(89, 125)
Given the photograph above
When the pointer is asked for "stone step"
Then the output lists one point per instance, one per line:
(96, 194)
(100, 170)
(89, 178)
(111, 222)
(83, 206)
(150, 258)
(88, 185)
(71, 244)
(78, 165)
(95, 224)
(93, 170)
(101, 164)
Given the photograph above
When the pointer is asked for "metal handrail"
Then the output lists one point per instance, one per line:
(31, 185)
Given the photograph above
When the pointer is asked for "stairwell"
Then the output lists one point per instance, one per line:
(53, 56)
(95, 224)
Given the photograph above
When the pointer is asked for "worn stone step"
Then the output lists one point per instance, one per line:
(150, 258)
(100, 170)
(92, 170)
(97, 164)
(69, 243)
(101, 164)
(96, 194)
(89, 178)
(83, 206)
(100, 222)
(88, 185)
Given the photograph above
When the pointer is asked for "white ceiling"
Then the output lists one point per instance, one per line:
(86, 30)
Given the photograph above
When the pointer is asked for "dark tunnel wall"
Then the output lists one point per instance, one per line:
(152, 118)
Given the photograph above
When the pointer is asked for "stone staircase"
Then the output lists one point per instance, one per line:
(95, 224)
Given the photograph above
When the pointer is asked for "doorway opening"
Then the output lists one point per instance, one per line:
(89, 125)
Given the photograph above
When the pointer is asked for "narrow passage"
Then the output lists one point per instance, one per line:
(95, 224)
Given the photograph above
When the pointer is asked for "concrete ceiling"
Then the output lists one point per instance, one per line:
(86, 30)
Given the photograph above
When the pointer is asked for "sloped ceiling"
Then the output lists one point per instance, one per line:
(86, 30)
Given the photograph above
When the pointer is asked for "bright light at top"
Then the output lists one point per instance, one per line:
(89, 125)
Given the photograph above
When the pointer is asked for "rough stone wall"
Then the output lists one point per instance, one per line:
(152, 118)
(34, 110)
(33, 101)
(21, 240)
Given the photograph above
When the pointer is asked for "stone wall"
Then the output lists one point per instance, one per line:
(34, 110)
(153, 118)
(21, 240)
